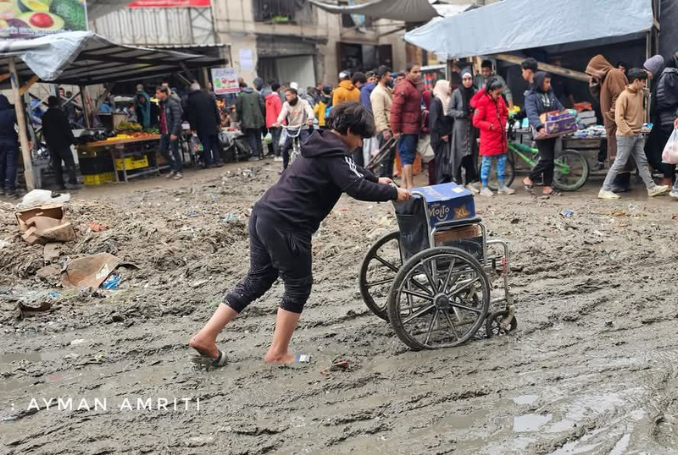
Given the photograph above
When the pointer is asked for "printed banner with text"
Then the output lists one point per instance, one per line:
(225, 81)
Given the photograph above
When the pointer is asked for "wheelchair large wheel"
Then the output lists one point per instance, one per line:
(379, 268)
(440, 298)
(571, 170)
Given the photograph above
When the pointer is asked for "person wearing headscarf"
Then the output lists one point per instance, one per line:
(463, 147)
(142, 105)
(440, 125)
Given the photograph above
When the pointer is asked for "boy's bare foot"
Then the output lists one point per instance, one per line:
(271, 357)
(204, 347)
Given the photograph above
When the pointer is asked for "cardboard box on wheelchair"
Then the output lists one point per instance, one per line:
(447, 202)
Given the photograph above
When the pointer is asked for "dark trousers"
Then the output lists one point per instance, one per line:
(468, 166)
(211, 148)
(386, 166)
(545, 166)
(253, 139)
(175, 160)
(275, 139)
(303, 135)
(8, 153)
(275, 252)
(65, 155)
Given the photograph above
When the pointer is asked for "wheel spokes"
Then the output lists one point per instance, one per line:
(386, 263)
(416, 294)
(377, 283)
(452, 326)
(421, 312)
(430, 327)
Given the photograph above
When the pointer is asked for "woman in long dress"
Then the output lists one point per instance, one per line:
(441, 127)
(464, 146)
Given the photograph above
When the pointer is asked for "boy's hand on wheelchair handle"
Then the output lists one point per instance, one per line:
(403, 195)
(385, 181)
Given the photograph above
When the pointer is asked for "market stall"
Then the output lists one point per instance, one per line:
(82, 59)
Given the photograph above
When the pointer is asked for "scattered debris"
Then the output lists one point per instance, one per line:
(96, 227)
(26, 310)
(90, 271)
(567, 213)
(45, 224)
(41, 197)
(112, 282)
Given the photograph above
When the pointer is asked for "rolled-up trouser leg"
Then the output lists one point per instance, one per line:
(259, 279)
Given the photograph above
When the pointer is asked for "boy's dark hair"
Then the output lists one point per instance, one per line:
(493, 83)
(530, 64)
(370, 74)
(161, 89)
(486, 64)
(352, 116)
(636, 74)
(620, 63)
(402, 74)
(383, 70)
(53, 101)
(292, 90)
(275, 86)
(410, 65)
(243, 85)
(359, 77)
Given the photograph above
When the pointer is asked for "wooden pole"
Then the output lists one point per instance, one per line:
(576, 75)
(21, 121)
(85, 110)
(206, 77)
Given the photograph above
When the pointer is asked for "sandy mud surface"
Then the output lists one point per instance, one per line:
(591, 368)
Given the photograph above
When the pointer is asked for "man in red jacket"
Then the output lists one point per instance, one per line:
(406, 120)
(273, 108)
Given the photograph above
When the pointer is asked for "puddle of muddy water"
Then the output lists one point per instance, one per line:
(530, 422)
(525, 399)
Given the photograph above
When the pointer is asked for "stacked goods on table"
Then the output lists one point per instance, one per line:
(558, 123)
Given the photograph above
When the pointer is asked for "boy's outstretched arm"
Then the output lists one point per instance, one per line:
(359, 183)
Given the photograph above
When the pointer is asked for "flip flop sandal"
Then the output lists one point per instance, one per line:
(553, 193)
(210, 362)
(529, 187)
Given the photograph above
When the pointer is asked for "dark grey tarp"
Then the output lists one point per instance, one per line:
(514, 25)
(87, 58)
(398, 10)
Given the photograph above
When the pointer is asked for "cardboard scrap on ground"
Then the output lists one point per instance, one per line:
(90, 271)
(45, 224)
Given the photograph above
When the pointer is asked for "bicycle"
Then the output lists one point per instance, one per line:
(296, 143)
(571, 167)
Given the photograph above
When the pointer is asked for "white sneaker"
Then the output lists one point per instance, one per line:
(278, 158)
(472, 189)
(657, 190)
(486, 192)
(607, 194)
(506, 190)
(674, 194)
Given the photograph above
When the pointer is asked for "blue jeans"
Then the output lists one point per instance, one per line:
(211, 148)
(407, 148)
(8, 153)
(486, 166)
(174, 160)
(628, 146)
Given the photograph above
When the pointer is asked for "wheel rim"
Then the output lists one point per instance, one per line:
(379, 270)
(437, 302)
(571, 171)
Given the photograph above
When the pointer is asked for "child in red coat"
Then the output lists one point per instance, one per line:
(490, 118)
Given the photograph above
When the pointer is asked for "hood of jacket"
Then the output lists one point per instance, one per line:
(598, 67)
(272, 95)
(368, 87)
(4, 103)
(323, 143)
(538, 85)
(248, 90)
(348, 85)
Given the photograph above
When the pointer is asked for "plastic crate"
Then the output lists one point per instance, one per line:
(99, 179)
(132, 162)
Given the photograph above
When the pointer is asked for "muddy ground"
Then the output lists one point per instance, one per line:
(591, 368)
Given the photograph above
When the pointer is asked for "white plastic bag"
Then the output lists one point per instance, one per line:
(424, 148)
(283, 138)
(41, 197)
(670, 153)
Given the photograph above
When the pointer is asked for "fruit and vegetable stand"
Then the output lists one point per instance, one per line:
(84, 58)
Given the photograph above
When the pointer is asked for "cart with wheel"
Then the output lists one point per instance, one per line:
(433, 279)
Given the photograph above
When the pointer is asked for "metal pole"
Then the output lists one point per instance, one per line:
(85, 111)
(21, 121)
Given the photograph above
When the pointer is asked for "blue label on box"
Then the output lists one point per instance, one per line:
(447, 202)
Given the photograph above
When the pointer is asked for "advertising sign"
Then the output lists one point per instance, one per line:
(225, 81)
(170, 4)
(34, 18)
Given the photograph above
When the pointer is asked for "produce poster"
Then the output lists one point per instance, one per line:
(225, 81)
(170, 4)
(34, 18)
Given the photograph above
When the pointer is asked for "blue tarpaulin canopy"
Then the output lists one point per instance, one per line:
(514, 25)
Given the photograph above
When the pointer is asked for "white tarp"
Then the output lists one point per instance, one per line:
(87, 58)
(398, 10)
(514, 25)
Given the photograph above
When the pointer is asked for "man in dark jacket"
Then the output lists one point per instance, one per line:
(203, 115)
(285, 218)
(251, 112)
(406, 120)
(9, 147)
(665, 118)
(58, 135)
(541, 99)
(170, 129)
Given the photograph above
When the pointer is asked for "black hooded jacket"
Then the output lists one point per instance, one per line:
(7, 121)
(310, 187)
